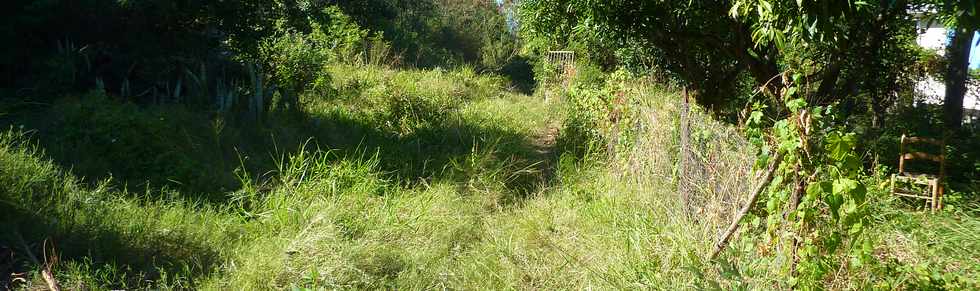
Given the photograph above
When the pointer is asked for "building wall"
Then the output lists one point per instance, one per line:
(932, 35)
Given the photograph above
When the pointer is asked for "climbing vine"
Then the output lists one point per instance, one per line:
(816, 210)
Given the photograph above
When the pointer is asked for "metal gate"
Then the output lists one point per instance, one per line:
(563, 62)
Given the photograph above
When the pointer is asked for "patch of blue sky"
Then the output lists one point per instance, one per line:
(975, 52)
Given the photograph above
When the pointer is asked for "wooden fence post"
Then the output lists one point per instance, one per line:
(685, 159)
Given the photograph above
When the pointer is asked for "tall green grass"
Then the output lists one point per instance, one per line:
(424, 180)
(427, 149)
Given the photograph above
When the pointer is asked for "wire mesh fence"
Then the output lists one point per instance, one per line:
(709, 163)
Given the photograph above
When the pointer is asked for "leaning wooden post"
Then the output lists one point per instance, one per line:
(748, 206)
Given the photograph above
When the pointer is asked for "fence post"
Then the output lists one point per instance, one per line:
(685, 159)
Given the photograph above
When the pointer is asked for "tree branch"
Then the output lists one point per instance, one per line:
(748, 206)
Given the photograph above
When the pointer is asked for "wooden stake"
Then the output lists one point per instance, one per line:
(748, 206)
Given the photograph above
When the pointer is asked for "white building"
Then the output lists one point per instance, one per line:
(934, 36)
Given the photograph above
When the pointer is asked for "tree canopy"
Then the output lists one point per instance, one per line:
(849, 51)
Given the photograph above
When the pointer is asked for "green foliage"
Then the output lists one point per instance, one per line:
(598, 114)
(297, 60)
(963, 14)
(153, 52)
(441, 33)
(476, 32)
(819, 202)
(293, 60)
(702, 47)
(786, 23)
(339, 35)
(587, 112)
(853, 51)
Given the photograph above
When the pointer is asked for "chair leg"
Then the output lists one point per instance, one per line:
(893, 184)
(942, 192)
(927, 192)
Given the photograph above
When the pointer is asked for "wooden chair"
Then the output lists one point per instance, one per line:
(933, 194)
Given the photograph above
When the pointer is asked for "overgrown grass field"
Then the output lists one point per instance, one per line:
(414, 179)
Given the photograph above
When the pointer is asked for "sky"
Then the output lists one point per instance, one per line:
(975, 52)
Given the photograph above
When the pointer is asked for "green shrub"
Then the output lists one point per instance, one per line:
(589, 75)
(338, 34)
(297, 60)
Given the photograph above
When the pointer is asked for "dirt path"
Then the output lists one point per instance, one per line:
(544, 149)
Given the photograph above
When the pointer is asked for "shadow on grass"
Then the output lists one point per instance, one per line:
(102, 253)
(449, 149)
(197, 154)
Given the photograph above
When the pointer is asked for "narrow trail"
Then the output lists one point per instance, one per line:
(544, 150)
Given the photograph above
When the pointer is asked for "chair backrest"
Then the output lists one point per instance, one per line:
(906, 155)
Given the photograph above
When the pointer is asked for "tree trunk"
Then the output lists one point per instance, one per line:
(878, 111)
(255, 106)
(958, 53)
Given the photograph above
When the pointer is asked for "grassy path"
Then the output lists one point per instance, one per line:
(544, 144)
(403, 180)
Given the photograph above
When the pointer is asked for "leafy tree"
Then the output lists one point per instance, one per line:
(708, 44)
(693, 40)
(958, 53)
